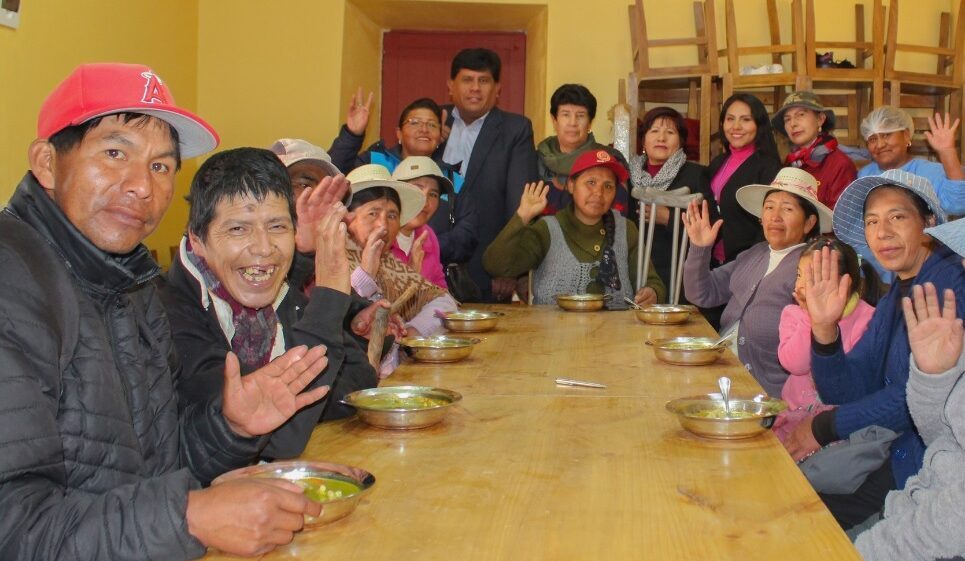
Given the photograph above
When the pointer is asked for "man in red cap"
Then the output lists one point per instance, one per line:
(98, 462)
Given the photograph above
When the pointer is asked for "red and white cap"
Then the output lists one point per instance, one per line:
(95, 90)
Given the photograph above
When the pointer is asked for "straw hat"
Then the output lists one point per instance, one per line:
(792, 180)
(374, 175)
(415, 167)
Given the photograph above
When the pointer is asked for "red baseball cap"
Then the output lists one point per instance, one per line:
(95, 90)
(600, 158)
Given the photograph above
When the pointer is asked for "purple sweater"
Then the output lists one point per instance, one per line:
(753, 299)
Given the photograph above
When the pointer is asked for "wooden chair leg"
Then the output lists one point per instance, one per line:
(706, 98)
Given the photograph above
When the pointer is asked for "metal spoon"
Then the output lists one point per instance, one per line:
(724, 384)
(633, 304)
(730, 335)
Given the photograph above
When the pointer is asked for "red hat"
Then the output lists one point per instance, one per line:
(600, 158)
(95, 90)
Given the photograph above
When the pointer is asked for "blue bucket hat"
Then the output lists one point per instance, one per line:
(849, 210)
(952, 234)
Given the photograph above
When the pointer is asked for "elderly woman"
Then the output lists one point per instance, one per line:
(749, 157)
(759, 283)
(888, 130)
(586, 247)
(663, 166)
(227, 293)
(419, 134)
(808, 125)
(381, 205)
(572, 110)
(888, 213)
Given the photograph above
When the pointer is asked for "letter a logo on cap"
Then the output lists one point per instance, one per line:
(153, 88)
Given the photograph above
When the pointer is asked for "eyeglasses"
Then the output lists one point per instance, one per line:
(419, 123)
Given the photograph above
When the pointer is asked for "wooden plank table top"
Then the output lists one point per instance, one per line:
(524, 469)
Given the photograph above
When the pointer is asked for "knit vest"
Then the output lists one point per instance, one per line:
(561, 273)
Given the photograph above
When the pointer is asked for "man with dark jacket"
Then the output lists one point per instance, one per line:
(495, 152)
(97, 461)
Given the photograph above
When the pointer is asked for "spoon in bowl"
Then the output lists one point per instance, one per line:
(724, 384)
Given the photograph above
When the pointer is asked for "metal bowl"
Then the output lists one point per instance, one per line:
(662, 314)
(440, 348)
(703, 415)
(471, 321)
(580, 302)
(352, 482)
(387, 407)
(686, 351)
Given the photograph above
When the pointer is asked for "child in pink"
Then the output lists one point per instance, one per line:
(794, 350)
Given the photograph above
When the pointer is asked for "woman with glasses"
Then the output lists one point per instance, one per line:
(419, 134)
(888, 130)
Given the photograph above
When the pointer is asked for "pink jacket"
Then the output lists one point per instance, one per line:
(794, 350)
(432, 263)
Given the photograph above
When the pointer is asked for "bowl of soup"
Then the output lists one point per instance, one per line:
(662, 314)
(470, 321)
(705, 415)
(402, 407)
(338, 487)
(686, 351)
(438, 348)
(580, 302)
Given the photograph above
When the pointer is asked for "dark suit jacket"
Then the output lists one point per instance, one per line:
(741, 229)
(503, 160)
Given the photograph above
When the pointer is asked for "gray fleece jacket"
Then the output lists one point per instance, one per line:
(926, 519)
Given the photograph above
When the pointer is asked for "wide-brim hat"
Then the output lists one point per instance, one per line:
(792, 180)
(595, 158)
(415, 167)
(952, 234)
(374, 175)
(849, 210)
(293, 150)
(807, 100)
(101, 89)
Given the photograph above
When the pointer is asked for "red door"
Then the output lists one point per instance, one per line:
(416, 64)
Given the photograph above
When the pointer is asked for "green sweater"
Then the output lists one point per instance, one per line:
(520, 248)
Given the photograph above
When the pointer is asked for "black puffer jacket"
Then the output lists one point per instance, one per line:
(95, 461)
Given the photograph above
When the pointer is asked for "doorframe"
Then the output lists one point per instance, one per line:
(365, 21)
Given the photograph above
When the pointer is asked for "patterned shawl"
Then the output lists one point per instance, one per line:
(394, 277)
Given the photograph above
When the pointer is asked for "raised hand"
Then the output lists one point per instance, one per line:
(697, 222)
(248, 516)
(418, 253)
(262, 401)
(312, 205)
(444, 128)
(941, 133)
(533, 201)
(645, 296)
(357, 118)
(331, 256)
(372, 252)
(934, 333)
(826, 293)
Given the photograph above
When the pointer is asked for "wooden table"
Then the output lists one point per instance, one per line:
(524, 469)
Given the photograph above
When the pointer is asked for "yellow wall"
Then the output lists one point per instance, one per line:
(259, 71)
(56, 35)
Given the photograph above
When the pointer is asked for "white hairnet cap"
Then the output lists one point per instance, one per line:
(886, 119)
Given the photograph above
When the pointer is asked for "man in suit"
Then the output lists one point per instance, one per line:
(495, 152)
